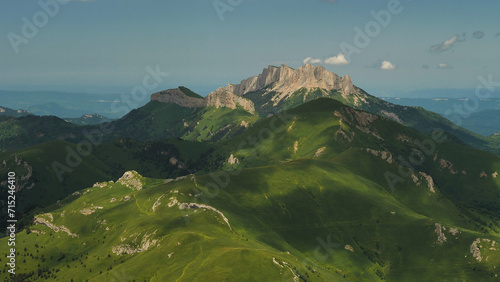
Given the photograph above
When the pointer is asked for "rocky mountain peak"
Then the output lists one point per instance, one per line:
(176, 96)
(222, 97)
(282, 82)
(286, 80)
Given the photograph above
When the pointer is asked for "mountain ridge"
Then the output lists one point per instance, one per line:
(219, 98)
(205, 119)
(257, 208)
(277, 89)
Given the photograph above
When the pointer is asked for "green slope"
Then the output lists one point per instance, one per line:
(282, 213)
(315, 128)
(45, 175)
(189, 92)
(30, 130)
(311, 177)
(154, 121)
(414, 117)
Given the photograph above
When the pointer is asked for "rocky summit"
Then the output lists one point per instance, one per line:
(283, 82)
(286, 81)
(220, 98)
(176, 96)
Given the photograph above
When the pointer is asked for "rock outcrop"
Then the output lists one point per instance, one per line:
(222, 97)
(132, 180)
(41, 220)
(176, 96)
(286, 79)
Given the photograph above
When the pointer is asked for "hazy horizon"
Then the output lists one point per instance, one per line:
(206, 44)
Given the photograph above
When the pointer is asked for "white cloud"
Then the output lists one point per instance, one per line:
(310, 60)
(448, 44)
(337, 60)
(386, 65)
(444, 66)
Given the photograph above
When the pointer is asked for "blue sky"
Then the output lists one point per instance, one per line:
(105, 45)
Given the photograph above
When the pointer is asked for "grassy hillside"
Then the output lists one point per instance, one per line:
(42, 183)
(313, 220)
(326, 129)
(303, 195)
(425, 121)
(414, 117)
(23, 132)
(189, 93)
(154, 121)
(322, 129)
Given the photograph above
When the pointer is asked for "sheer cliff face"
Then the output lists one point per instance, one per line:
(219, 98)
(176, 96)
(285, 81)
(224, 98)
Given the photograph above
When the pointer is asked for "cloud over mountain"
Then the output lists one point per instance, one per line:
(447, 45)
(337, 60)
(310, 60)
(386, 65)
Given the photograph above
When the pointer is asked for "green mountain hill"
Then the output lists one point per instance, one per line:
(154, 121)
(281, 88)
(51, 171)
(320, 192)
(229, 110)
(23, 132)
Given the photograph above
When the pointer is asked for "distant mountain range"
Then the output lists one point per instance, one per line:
(484, 120)
(86, 119)
(293, 174)
(66, 105)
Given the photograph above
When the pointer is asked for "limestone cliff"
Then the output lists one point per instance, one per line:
(224, 98)
(282, 82)
(285, 81)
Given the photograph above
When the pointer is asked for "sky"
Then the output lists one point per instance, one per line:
(101, 46)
